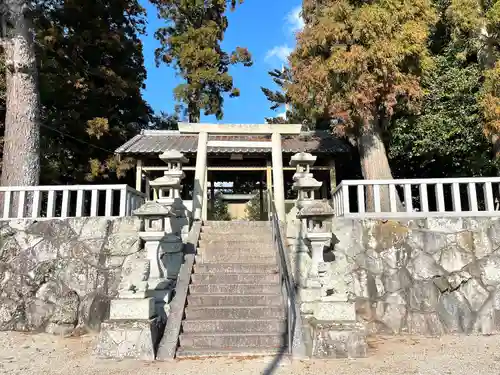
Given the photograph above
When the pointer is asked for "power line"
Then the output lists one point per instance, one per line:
(76, 139)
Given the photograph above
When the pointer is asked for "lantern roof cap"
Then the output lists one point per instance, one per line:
(152, 208)
(173, 155)
(302, 158)
(317, 208)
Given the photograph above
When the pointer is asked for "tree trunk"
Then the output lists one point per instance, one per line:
(193, 112)
(21, 152)
(374, 164)
(495, 141)
(21, 159)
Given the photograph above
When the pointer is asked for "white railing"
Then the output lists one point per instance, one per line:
(46, 202)
(474, 196)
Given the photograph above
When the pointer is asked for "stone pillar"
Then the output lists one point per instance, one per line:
(324, 295)
(199, 175)
(333, 175)
(212, 194)
(204, 210)
(278, 184)
(138, 175)
(147, 187)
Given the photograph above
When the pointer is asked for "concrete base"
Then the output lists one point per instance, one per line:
(329, 310)
(132, 309)
(130, 339)
(337, 340)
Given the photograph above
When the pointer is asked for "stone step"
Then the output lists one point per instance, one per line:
(235, 289)
(216, 340)
(227, 353)
(234, 278)
(236, 223)
(240, 268)
(231, 230)
(235, 244)
(235, 258)
(247, 235)
(234, 312)
(213, 251)
(232, 325)
(235, 300)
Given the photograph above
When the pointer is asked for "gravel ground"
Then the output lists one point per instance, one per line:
(44, 354)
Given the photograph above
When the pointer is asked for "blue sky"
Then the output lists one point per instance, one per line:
(266, 28)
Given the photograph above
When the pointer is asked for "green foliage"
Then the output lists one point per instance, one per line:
(164, 121)
(220, 211)
(280, 99)
(445, 139)
(252, 209)
(360, 59)
(191, 42)
(475, 29)
(91, 75)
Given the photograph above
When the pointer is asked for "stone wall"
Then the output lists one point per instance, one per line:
(59, 275)
(430, 276)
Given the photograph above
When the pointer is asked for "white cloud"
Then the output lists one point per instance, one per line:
(293, 23)
(294, 19)
(280, 52)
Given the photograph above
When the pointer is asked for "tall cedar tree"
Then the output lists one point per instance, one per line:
(476, 29)
(446, 138)
(190, 42)
(279, 99)
(21, 149)
(91, 76)
(3, 90)
(295, 112)
(362, 58)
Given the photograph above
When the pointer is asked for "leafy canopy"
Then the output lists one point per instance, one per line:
(361, 58)
(476, 32)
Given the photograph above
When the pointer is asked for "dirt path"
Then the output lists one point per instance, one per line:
(454, 355)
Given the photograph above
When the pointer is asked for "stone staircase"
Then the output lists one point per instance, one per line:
(235, 305)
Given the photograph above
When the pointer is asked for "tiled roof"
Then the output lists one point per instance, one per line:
(155, 142)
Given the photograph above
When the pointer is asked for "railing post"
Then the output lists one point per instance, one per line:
(361, 199)
(424, 200)
(472, 195)
(440, 197)
(94, 198)
(35, 208)
(376, 198)
(51, 203)
(392, 198)
(6, 204)
(123, 202)
(408, 200)
(345, 199)
(65, 204)
(457, 204)
(21, 204)
(109, 203)
(488, 197)
(79, 203)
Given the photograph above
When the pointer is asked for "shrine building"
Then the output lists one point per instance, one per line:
(240, 161)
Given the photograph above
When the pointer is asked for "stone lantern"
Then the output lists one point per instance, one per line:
(305, 186)
(168, 189)
(303, 161)
(169, 185)
(163, 247)
(318, 234)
